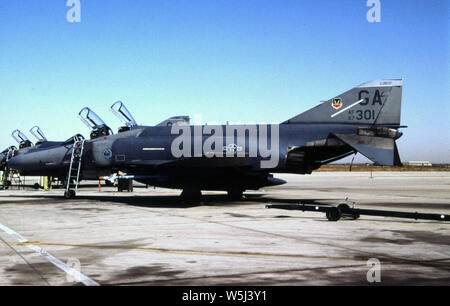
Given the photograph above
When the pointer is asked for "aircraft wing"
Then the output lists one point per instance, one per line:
(195, 162)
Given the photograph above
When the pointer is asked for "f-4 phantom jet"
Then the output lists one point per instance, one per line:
(53, 158)
(235, 158)
(9, 152)
(45, 158)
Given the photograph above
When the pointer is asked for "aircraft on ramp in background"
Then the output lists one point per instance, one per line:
(9, 152)
(53, 158)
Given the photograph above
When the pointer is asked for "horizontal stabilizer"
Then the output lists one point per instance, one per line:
(382, 151)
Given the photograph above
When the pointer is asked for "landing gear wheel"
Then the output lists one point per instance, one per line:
(235, 194)
(69, 194)
(191, 195)
(347, 212)
(333, 214)
(8, 184)
(109, 184)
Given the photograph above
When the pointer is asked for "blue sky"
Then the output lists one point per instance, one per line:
(234, 60)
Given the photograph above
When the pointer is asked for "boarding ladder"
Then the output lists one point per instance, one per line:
(16, 180)
(73, 176)
(10, 176)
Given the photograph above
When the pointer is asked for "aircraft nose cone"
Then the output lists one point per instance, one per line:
(14, 163)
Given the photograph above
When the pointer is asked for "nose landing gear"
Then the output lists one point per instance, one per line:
(69, 194)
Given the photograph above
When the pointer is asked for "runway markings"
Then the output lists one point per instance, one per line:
(387, 259)
(49, 257)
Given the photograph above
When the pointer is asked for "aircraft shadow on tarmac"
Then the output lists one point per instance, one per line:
(174, 201)
(164, 201)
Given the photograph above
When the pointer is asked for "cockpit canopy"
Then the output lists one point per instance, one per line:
(21, 139)
(91, 119)
(177, 120)
(9, 149)
(38, 134)
(124, 115)
(7, 154)
(94, 123)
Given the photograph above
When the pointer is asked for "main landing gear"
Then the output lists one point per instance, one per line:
(235, 194)
(191, 195)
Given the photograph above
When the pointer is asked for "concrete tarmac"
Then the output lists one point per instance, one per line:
(149, 237)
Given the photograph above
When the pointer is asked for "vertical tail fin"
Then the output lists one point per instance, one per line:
(371, 103)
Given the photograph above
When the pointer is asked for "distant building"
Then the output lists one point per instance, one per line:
(419, 163)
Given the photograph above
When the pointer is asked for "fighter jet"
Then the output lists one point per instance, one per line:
(23, 141)
(52, 158)
(235, 158)
(49, 158)
(9, 152)
(46, 158)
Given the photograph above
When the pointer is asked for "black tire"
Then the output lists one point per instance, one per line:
(235, 194)
(191, 195)
(36, 186)
(343, 207)
(333, 214)
(347, 212)
(108, 184)
(69, 194)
